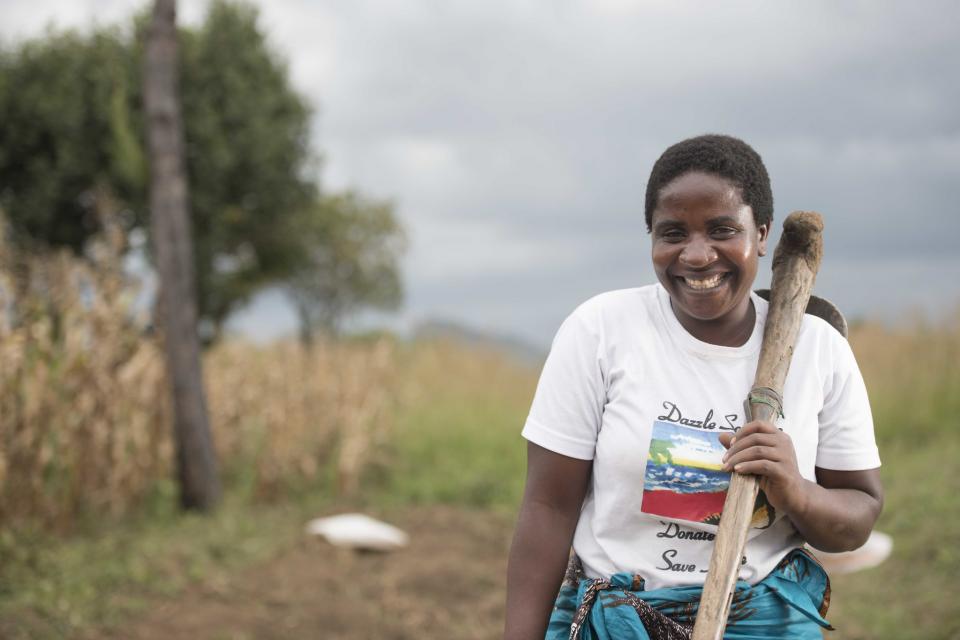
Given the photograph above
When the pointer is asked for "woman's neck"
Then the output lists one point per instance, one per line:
(733, 330)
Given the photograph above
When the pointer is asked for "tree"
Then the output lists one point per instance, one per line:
(173, 251)
(354, 246)
(71, 122)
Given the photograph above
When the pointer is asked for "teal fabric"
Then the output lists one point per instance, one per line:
(786, 604)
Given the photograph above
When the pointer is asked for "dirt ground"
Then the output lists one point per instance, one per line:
(449, 583)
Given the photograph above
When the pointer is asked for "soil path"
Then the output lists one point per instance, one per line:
(449, 583)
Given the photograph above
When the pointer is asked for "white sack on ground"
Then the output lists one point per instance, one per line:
(358, 531)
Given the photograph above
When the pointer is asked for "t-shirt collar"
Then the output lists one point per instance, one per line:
(686, 341)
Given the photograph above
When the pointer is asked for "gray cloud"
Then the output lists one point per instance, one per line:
(516, 138)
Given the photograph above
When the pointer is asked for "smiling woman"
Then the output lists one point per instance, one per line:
(617, 467)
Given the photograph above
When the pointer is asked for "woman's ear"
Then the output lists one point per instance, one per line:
(762, 244)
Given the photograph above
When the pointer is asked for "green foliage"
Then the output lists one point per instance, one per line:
(71, 121)
(354, 247)
(247, 134)
(66, 127)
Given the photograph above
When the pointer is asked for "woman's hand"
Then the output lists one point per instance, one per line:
(761, 449)
(835, 513)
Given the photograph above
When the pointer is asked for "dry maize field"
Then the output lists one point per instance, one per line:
(84, 405)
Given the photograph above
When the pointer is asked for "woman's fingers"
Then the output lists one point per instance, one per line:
(757, 468)
(756, 426)
(727, 439)
(757, 439)
(771, 454)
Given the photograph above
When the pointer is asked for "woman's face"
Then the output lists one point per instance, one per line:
(706, 247)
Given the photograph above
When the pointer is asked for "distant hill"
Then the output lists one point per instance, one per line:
(512, 346)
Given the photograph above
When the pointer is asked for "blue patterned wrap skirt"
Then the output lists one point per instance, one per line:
(789, 603)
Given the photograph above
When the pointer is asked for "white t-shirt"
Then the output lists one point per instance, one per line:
(626, 386)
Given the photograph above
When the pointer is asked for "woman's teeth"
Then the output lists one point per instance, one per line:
(705, 283)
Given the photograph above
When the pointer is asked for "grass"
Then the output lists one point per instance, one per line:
(455, 439)
(53, 587)
(914, 382)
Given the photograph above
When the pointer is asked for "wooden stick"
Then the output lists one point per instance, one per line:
(795, 264)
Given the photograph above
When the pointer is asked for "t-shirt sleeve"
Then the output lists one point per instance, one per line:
(568, 405)
(847, 440)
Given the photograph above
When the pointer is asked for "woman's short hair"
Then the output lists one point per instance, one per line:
(725, 156)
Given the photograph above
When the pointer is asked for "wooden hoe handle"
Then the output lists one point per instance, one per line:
(795, 264)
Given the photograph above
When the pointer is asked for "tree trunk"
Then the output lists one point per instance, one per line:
(173, 253)
(306, 328)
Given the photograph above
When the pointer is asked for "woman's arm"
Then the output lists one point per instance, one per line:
(836, 513)
(841, 509)
(556, 486)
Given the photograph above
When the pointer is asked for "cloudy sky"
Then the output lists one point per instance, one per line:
(516, 136)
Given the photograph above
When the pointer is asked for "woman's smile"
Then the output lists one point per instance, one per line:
(705, 283)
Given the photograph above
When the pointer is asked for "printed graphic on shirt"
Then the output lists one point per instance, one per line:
(684, 479)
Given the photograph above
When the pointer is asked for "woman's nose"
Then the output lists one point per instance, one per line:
(698, 253)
